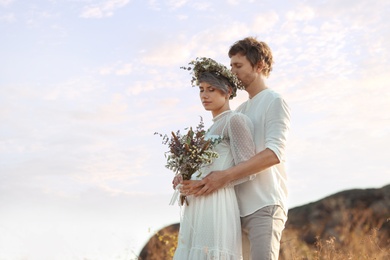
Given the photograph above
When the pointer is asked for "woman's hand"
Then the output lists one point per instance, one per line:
(177, 180)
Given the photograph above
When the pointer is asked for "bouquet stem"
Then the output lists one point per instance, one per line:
(183, 199)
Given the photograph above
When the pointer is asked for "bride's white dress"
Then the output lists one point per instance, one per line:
(210, 226)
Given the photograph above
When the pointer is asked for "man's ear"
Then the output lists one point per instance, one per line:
(259, 67)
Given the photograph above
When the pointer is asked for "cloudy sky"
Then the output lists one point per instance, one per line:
(84, 84)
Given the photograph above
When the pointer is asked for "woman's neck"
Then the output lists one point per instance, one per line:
(216, 113)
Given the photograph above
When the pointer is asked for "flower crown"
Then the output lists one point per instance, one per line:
(203, 64)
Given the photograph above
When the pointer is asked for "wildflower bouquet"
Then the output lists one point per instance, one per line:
(189, 152)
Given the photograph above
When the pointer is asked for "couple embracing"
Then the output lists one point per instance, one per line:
(245, 187)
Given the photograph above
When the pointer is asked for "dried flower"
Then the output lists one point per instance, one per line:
(188, 153)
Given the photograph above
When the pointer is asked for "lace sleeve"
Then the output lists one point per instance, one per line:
(240, 132)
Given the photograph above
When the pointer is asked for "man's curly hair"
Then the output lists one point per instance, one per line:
(255, 51)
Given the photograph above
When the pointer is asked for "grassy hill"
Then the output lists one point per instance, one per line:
(352, 224)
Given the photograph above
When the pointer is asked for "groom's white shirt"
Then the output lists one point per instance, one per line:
(270, 116)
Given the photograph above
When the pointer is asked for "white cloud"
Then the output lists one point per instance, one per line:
(310, 29)
(182, 17)
(118, 68)
(6, 2)
(138, 87)
(233, 2)
(168, 80)
(169, 102)
(201, 6)
(8, 18)
(114, 111)
(265, 22)
(179, 50)
(154, 4)
(105, 70)
(114, 170)
(125, 70)
(301, 13)
(167, 54)
(104, 9)
(175, 4)
(72, 89)
(212, 42)
(227, 34)
(356, 13)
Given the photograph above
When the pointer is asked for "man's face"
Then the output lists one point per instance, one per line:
(241, 66)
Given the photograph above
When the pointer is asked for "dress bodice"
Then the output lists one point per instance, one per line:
(228, 125)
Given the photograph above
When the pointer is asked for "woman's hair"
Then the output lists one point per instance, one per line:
(255, 51)
(218, 82)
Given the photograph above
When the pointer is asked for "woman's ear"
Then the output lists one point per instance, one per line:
(229, 93)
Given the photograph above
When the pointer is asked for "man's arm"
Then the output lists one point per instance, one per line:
(276, 131)
(220, 179)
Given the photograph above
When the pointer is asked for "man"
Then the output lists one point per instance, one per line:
(263, 200)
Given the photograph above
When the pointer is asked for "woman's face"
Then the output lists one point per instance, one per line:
(213, 99)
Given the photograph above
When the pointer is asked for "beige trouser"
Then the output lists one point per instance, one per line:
(262, 232)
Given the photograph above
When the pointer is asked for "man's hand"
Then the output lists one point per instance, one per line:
(212, 182)
(190, 187)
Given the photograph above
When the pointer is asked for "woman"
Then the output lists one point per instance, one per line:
(210, 226)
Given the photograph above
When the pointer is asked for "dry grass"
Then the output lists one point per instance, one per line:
(162, 245)
(358, 247)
